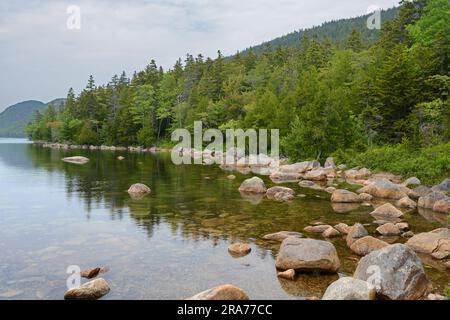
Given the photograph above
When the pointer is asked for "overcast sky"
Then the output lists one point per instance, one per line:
(40, 58)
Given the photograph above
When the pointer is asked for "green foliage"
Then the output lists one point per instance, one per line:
(429, 164)
(339, 88)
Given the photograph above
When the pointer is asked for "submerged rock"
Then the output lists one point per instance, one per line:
(348, 288)
(91, 290)
(307, 255)
(76, 160)
(223, 292)
(395, 271)
(280, 236)
(253, 185)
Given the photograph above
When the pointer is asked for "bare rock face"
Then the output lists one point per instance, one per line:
(442, 206)
(356, 232)
(288, 274)
(139, 189)
(342, 228)
(223, 292)
(396, 273)
(430, 199)
(387, 212)
(91, 290)
(307, 255)
(348, 288)
(385, 189)
(280, 236)
(436, 242)
(330, 233)
(366, 245)
(389, 229)
(317, 229)
(76, 160)
(406, 202)
(239, 249)
(253, 185)
(345, 196)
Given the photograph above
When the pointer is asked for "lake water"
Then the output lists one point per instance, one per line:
(169, 245)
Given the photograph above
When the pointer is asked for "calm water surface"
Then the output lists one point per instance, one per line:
(170, 245)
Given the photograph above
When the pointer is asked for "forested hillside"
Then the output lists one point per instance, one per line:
(337, 32)
(14, 119)
(342, 97)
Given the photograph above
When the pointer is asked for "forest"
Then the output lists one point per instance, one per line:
(379, 102)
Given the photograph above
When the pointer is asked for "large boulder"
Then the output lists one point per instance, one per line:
(91, 290)
(316, 175)
(253, 185)
(356, 232)
(429, 200)
(329, 163)
(280, 236)
(345, 196)
(307, 255)
(280, 194)
(443, 187)
(422, 191)
(76, 160)
(442, 205)
(436, 242)
(348, 288)
(387, 212)
(353, 174)
(413, 181)
(385, 189)
(223, 292)
(389, 229)
(396, 273)
(279, 176)
(406, 202)
(139, 189)
(366, 245)
(297, 168)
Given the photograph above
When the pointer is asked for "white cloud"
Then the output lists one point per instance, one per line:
(40, 58)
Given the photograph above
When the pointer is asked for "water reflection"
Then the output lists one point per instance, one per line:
(189, 218)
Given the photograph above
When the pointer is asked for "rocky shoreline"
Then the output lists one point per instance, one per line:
(399, 268)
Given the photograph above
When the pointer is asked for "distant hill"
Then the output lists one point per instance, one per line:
(14, 119)
(336, 31)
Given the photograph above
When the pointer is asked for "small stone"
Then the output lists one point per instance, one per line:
(365, 197)
(288, 274)
(120, 158)
(403, 226)
(356, 232)
(366, 245)
(342, 228)
(253, 185)
(76, 160)
(387, 212)
(408, 234)
(231, 177)
(90, 273)
(139, 189)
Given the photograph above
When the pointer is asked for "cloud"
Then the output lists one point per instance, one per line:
(41, 59)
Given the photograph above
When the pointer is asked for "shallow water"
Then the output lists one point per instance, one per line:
(169, 245)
